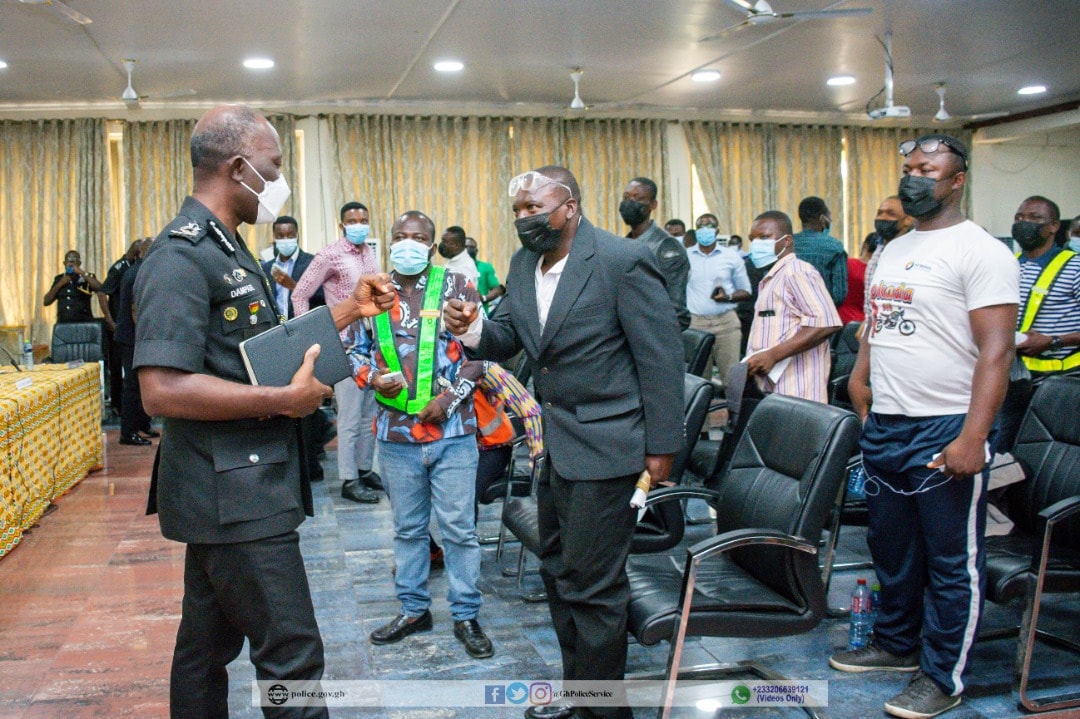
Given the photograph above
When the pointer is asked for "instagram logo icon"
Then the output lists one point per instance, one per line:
(539, 693)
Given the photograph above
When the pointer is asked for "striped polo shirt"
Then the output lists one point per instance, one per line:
(1060, 311)
(792, 296)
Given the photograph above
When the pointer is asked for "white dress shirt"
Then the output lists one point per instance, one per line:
(546, 284)
(463, 264)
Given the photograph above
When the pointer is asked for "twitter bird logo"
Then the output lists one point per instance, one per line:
(517, 693)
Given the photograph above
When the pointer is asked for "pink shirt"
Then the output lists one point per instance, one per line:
(791, 296)
(337, 268)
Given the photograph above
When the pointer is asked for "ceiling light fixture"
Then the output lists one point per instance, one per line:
(705, 76)
(258, 63)
(840, 80)
(1031, 90)
(577, 103)
(2, 64)
(449, 66)
(942, 114)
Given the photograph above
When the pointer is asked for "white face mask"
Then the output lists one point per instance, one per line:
(271, 199)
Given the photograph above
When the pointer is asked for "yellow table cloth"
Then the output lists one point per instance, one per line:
(50, 438)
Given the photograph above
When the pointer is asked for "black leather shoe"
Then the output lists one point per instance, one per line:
(152, 433)
(400, 628)
(353, 490)
(550, 711)
(134, 439)
(371, 480)
(469, 633)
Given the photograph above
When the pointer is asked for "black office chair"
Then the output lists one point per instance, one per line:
(697, 348)
(758, 577)
(709, 459)
(1042, 553)
(845, 348)
(661, 528)
(77, 341)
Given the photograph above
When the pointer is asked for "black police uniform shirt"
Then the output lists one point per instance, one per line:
(199, 293)
(73, 301)
(111, 285)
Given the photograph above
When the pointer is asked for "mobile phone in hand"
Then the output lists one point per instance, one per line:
(393, 377)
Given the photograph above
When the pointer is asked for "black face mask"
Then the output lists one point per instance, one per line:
(473, 252)
(536, 233)
(1027, 234)
(917, 195)
(887, 229)
(633, 212)
(444, 251)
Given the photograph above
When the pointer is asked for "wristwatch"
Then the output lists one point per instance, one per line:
(1056, 343)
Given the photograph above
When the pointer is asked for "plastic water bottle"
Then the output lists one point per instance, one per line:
(875, 605)
(28, 355)
(856, 486)
(859, 627)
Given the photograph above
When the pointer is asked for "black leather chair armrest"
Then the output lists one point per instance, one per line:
(743, 537)
(1044, 527)
(667, 494)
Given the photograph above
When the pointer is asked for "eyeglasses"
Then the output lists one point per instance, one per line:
(930, 146)
(532, 180)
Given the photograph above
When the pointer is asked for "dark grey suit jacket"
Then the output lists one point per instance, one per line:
(299, 267)
(608, 366)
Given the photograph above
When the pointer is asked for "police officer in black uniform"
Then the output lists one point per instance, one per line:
(74, 288)
(228, 479)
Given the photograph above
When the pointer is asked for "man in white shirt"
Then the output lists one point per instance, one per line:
(940, 341)
(452, 247)
(718, 281)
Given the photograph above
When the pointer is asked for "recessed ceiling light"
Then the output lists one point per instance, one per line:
(1031, 90)
(2, 64)
(840, 80)
(449, 66)
(705, 76)
(258, 63)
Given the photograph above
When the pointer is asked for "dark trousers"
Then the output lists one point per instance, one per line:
(116, 373)
(928, 548)
(586, 529)
(133, 418)
(257, 590)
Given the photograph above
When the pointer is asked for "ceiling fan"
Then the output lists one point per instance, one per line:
(132, 98)
(63, 9)
(577, 103)
(761, 12)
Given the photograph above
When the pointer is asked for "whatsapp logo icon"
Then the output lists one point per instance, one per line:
(740, 694)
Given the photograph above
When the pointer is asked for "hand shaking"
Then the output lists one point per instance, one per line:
(458, 315)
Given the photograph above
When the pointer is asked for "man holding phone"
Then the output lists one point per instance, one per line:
(74, 288)
(425, 427)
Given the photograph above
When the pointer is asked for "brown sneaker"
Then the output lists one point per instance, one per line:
(921, 699)
(873, 658)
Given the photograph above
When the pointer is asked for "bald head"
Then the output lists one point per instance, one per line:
(223, 132)
(561, 174)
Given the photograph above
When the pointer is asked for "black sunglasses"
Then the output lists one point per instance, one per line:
(930, 146)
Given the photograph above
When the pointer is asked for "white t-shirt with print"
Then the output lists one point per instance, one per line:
(923, 350)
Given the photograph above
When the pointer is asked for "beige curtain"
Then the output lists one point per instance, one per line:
(807, 161)
(157, 175)
(54, 195)
(456, 169)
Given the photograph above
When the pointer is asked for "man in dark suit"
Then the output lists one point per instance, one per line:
(608, 371)
(288, 265)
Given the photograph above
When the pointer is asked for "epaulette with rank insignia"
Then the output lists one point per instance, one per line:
(190, 231)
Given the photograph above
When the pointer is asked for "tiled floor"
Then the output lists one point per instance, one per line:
(89, 604)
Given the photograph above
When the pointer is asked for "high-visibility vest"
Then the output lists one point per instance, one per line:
(1038, 293)
(425, 347)
(493, 424)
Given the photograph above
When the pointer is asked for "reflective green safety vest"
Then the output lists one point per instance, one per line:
(1035, 299)
(425, 347)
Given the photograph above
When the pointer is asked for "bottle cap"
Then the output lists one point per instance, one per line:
(862, 582)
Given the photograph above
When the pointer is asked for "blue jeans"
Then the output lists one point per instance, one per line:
(440, 474)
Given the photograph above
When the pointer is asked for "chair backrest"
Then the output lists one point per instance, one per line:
(1048, 450)
(743, 395)
(663, 525)
(697, 346)
(77, 341)
(846, 349)
(785, 475)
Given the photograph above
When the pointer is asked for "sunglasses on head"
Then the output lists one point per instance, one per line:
(930, 146)
(532, 180)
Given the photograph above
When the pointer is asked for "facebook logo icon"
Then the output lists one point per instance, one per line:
(494, 694)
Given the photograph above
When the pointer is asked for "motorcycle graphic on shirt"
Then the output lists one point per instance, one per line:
(893, 320)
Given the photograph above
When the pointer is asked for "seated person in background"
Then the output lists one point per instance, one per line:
(74, 288)
(816, 246)
(851, 310)
(793, 316)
